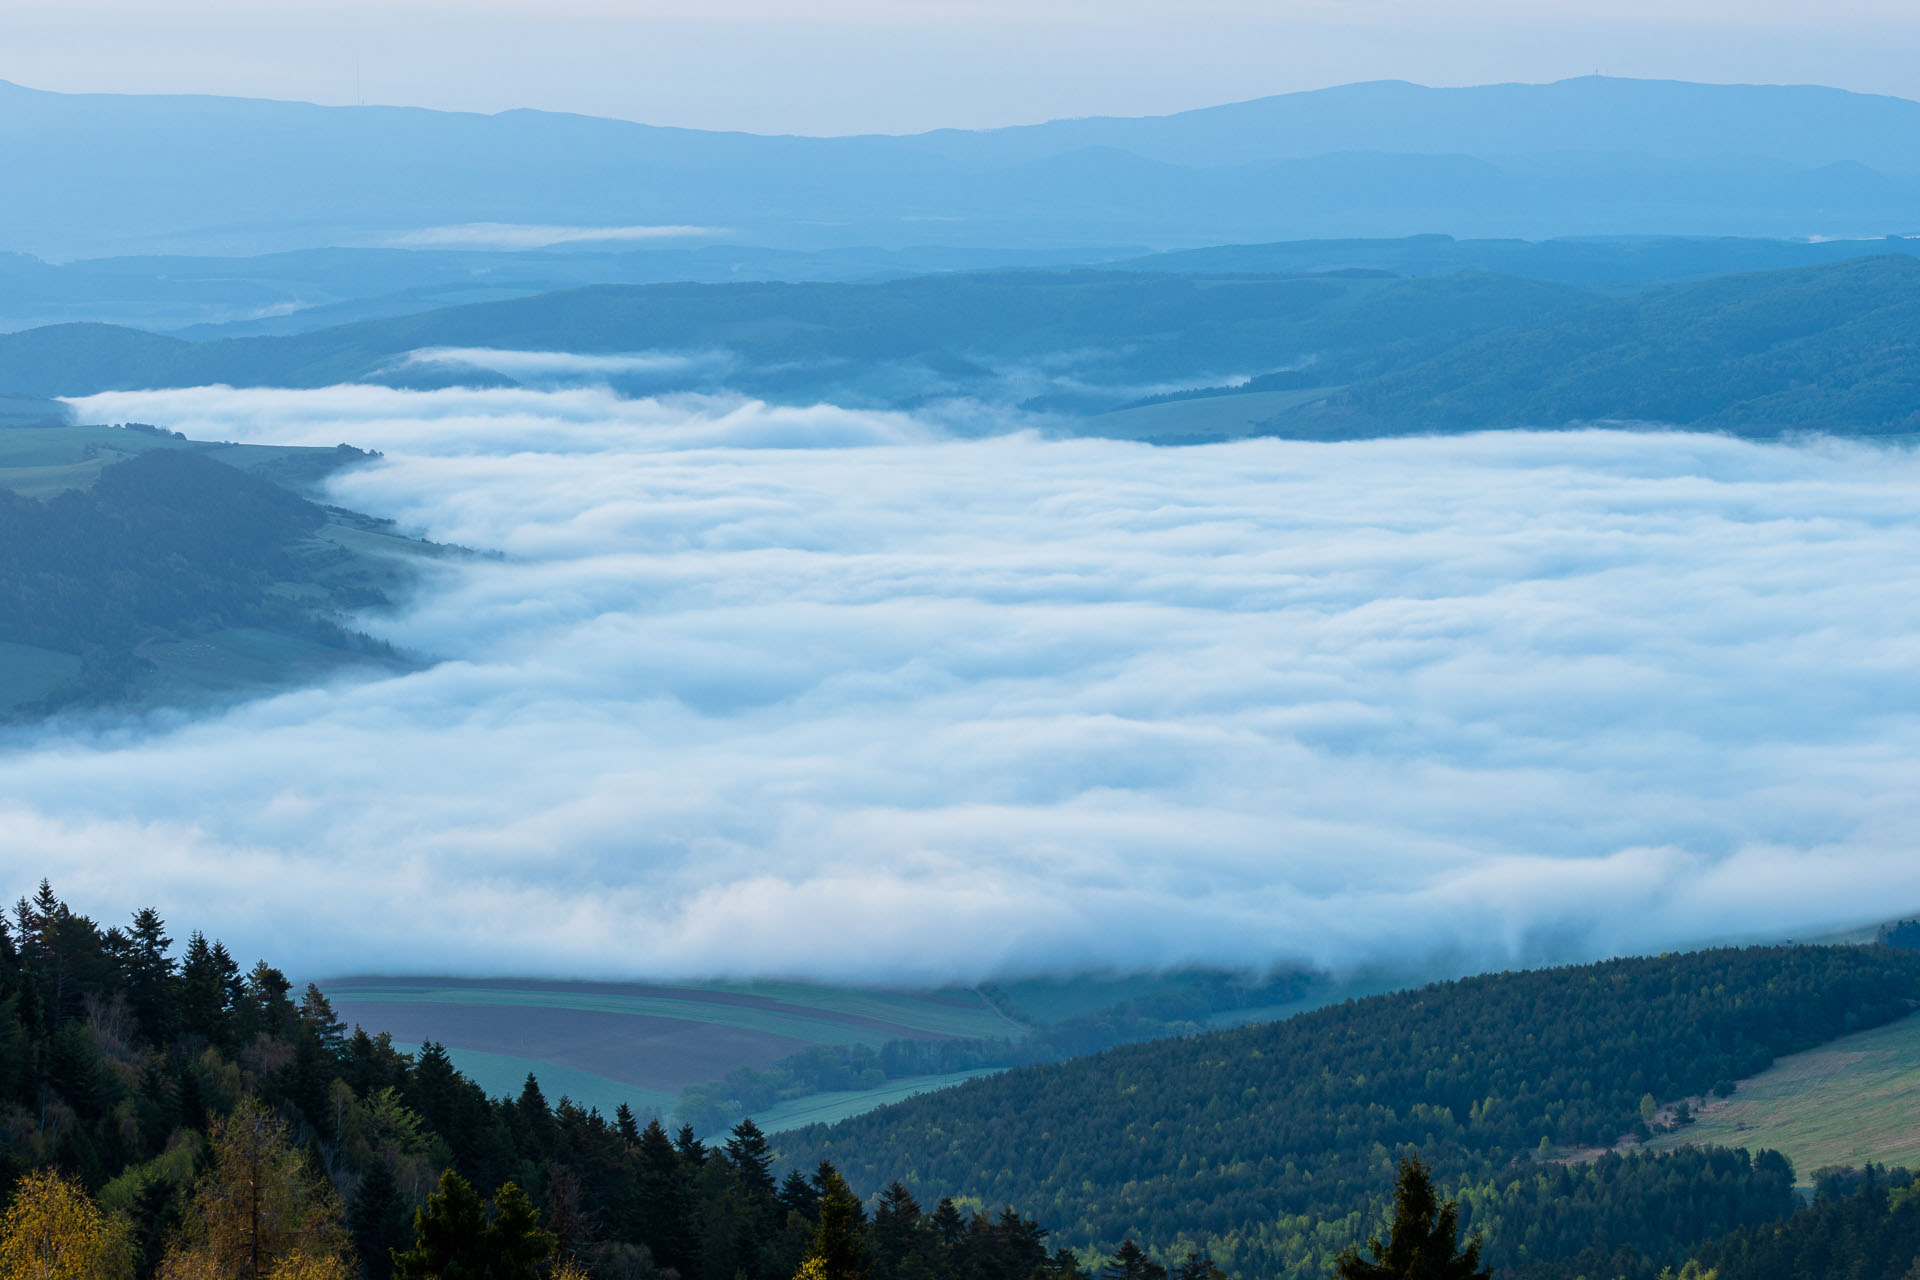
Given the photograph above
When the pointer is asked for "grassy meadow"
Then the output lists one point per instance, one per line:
(1845, 1103)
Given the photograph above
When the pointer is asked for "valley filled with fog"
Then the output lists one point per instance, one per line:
(752, 689)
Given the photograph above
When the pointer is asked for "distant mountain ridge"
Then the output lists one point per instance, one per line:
(99, 174)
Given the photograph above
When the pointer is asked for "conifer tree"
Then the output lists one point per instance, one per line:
(1424, 1241)
(203, 991)
(839, 1241)
(752, 1162)
(665, 1201)
(379, 1222)
(455, 1238)
(1130, 1262)
(150, 970)
(797, 1195)
(896, 1231)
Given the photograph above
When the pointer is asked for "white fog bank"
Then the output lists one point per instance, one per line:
(827, 693)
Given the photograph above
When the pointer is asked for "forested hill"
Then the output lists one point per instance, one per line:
(1272, 1146)
(165, 575)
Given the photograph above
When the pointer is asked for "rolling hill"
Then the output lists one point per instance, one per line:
(138, 568)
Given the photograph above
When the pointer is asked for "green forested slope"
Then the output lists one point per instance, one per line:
(1250, 1142)
(97, 583)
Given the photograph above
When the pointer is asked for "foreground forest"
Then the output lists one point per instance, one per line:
(181, 1117)
(165, 1112)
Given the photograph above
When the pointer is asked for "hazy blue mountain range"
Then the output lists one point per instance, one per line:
(120, 174)
(1141, 354)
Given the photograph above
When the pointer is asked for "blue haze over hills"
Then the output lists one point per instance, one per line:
(109, 174)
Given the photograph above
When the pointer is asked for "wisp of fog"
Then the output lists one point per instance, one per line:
(830, 693)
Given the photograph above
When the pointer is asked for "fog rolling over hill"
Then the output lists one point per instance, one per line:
(1589, 156)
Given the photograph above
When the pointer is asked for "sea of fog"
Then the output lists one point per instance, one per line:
(819, 692)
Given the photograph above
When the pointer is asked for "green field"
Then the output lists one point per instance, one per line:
(1227, 417)
(831, 1108)
(503, 1076)
(1845, 1103)
(959, 1013)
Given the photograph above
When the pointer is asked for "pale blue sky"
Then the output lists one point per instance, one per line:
(855, 65)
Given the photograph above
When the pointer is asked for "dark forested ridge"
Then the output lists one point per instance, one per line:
(1252, 1145)
(165, 546)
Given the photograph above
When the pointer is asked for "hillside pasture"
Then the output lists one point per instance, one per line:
(40, 461)
(1207, 418)
(831, 1108)
(1845, 1103)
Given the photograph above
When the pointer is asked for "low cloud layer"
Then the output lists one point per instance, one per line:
(820, 692)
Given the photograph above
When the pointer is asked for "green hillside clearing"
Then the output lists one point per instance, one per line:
(831, 1108)
(1845, 1103)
